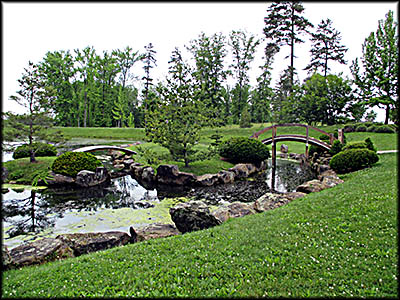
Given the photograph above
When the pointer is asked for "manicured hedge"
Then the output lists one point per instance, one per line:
(41, 149)
(71, 163)
(243, 150)
(353, 160)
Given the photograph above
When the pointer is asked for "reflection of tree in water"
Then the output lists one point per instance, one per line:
(41, 209)
(31, 214)
(289, 175)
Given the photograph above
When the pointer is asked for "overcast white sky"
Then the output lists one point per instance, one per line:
(30, 29)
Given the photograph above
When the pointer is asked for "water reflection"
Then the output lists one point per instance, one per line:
(34, 211)
(288, 175)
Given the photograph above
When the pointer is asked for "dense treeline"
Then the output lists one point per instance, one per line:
(86, 89)
(92, 89)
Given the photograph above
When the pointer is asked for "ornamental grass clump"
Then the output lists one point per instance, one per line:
(71, 163)
(244, 150)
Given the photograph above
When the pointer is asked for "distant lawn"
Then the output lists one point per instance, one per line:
(341, 242)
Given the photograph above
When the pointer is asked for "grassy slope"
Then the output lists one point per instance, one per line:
(339, 242)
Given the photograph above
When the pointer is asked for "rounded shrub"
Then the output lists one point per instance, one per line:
(353, 160)
(71, 163)
(361, 128)
(40, 149)
(336, 147)
(349, 128)
(384, 129)
(355, 145)
(243, 150)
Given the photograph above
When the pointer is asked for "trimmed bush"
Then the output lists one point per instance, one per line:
(361, 128)
(353, 160)
(336, 147)
(41, 149)
(71, 163)
(370, 144)
(349, 128)
(243, 150)
(355, 145)
(384, 129)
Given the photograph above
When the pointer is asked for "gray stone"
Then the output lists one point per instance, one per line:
(294, 195)
(40, 251)
(58, 179)
(330, 178)
(128, 162)
(284, 148)
(207, 179)
(233, 210)
(270, 201)
(148, 174)
(226, 177)
(87, 178)
(155, 230)
(311, 186)
(6, 257)
(240, 171)
(192, 216)
(4, 174)
(82, 243)
(323, 168)
(170, 175)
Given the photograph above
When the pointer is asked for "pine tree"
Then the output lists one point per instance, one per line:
(326, 46)
(284, 25)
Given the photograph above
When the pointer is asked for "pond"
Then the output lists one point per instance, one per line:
(31, 214)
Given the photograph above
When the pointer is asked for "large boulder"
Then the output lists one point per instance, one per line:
(6, 257)
(170, 175)
(40, 251)
(271, 200)
(284, 148)
(87, 178)
(330, 178)
(153, 231)
(312, 186)
(192, 216)
(240, 170)
(226, 177)
(58, 179)
(83, 243)
(233, 210)
(207, 179)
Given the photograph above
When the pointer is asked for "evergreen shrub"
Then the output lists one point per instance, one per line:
(336, 147)
(384, 129)
(355, 145)
(361, 128)
(353, 160)
(71, 163)
(40, 149)
(243, 150)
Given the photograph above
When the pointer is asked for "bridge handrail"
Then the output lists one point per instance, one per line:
(104, 147)
(294, 136)
(258, 133)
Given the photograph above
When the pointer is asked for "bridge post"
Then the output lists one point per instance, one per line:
(306, 142)
(340, 135)
(273, 158)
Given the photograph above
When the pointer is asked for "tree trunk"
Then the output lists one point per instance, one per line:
(387, 114)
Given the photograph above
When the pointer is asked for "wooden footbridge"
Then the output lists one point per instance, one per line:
(104, 147)
(307, 139)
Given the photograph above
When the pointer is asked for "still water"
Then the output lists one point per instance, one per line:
(29, 214)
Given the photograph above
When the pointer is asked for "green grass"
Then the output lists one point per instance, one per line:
(341, 242)
(22, 171)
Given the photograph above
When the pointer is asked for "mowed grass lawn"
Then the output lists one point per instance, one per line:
(340, 242)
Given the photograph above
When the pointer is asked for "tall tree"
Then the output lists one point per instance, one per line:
(324, 99)
(377, 79)
(177, 121)
(59, 73)
(284, 25)
(36, 97)
(149, 60)
(209, 54)
(87, 60)
(243, 49)
(325, 47)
